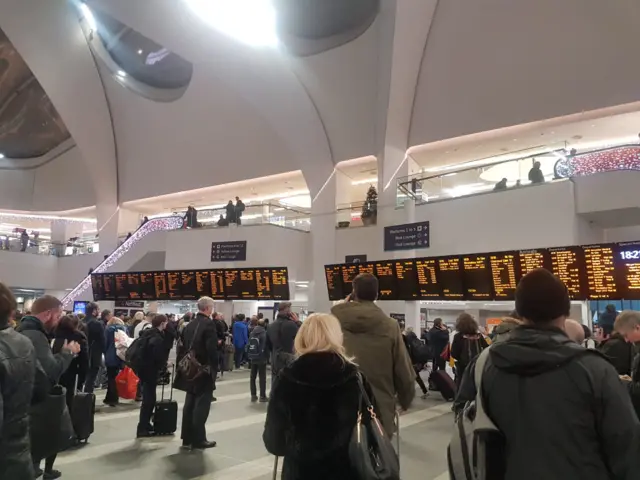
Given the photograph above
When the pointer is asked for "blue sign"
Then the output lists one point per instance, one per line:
(409, 236)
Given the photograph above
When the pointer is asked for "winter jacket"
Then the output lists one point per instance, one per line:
(156, 355)
(311, 415)
(111, 358)
(17, 373)
(54, 365)
(240, 335)
(502, 331)
(607, 318)
(375, 341)
(556, 401)
(438, 340)
(79, 365)
(96, 341)
(200, 336)
(465, 348)
(143, 325)
(281, 335)
(619, 352)
(261, 333)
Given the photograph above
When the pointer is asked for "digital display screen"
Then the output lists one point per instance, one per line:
(221, 284)
(590, 272)
(79, 307)
(333, 275)
(450, 275)
(504, 275)
(477, 278)
(406, 279)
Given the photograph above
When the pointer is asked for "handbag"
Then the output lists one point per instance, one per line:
(189, 366)
(370, 450)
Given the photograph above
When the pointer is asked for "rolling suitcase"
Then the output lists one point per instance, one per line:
(444, 383)
(165, 417)
(82, 415)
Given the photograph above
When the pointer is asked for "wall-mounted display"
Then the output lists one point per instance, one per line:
(590, 272)
(270, 283)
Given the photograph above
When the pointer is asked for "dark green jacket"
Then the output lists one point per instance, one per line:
(376, 342)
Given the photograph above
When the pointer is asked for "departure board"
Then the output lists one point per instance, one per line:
(406, 279)
(147, 286)
(366, 268)
(386, 280)
(280, 283)
(450, 276)
(217, 284)
(258, 284)
(134, 286)
(531, 259)
(568, 264)
(189, 288)
(426, 271)
(476, 277)
(108, 283)
(349, 272)
(627, 262)
(97, 286)
(120, 282)
(600, 272)
(504, 275)
(333, 275)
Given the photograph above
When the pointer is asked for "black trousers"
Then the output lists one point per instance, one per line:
(195, 415)
(421, 384)
(90, 381)
(439, 363)
(148, 405)
(112, 390)
(258, 369)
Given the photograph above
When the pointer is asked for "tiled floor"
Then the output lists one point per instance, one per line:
(236, 424)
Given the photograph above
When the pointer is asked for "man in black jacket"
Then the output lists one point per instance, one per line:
(606, 319)
(438, 340)
(561, 408)
(200, 337)
(96, 342)
(258, 357)
(627, 325)
(155, 355)
(281, 336)
(17, 375)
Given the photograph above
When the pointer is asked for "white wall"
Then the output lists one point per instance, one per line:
(607, 191)
(267, 245)
(28, 270)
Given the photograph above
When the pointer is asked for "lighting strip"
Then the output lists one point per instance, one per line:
(156, 225)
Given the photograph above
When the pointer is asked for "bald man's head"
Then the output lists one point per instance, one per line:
(574, 330)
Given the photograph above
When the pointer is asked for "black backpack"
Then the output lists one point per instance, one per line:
(419, 352)
(135, 355)
(471, 348)
(255, 348)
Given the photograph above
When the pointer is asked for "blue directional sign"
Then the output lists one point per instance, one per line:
(410, 236)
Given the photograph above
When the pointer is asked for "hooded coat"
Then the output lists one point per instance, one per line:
(561, 408)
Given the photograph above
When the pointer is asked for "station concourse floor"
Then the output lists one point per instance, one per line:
(236, 424)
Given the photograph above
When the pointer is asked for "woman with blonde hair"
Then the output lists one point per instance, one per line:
(314, 405)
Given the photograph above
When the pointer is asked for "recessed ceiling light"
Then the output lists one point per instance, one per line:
(139, 52)
(515, 139)
(1, 155)
(121, 73)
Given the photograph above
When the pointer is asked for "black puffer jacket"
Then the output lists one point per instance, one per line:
(156, 354)
(17, 373)
(562, 409)
(619, 352)
(311, 416)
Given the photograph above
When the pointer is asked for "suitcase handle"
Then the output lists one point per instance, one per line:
(171, 376)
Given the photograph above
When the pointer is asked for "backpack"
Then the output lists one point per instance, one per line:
(474, 435)
(419, 352)
(135, 354)
(470, 349)
(254, 349)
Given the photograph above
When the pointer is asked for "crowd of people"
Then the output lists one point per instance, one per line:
(233, 215)
(552, 390)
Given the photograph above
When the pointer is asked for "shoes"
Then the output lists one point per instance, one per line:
(254, 399)
(425, 396)
(185, 445)
(204, 445)
(52, 475)
(138, 399)
(214, 399)
(264, 399)
(38, 472)
(146, 434)
(110, 403)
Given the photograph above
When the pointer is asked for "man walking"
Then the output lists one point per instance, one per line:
(96, 342)
(281, 335)
(199, 340)
(258, 358)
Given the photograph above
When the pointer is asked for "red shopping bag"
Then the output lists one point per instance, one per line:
(127, 384)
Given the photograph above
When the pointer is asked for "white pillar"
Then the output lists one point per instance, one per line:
(128, 221)
(108, 217)
(62, 230)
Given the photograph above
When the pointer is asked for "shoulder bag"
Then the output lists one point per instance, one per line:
(189, 366)
(370, 450)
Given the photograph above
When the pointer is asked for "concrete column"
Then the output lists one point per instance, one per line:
(342, 197)
(62, 230)
(128, 221)
(108, 218)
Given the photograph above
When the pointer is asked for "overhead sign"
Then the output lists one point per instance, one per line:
(130, 303)
(409, 236)
(229, 251)
(355, 259)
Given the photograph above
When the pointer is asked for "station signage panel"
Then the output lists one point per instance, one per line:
(229, 251)
(409, 236)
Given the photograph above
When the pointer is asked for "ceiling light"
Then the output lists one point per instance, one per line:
(1, 155)
(366, 180)
(450, 174)
(139, 52)
(252, 22)
(121, 73)
(88, 16)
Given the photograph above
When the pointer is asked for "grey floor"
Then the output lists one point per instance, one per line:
(236, 424)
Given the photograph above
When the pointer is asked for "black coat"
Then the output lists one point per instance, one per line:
(562, 409)
(79, 365)
(261, 333)
(619, 352)
(231, 212)
(202, 337)
(17, 372)
(96, 340)
(311, 416)
(281, 335)
(438, 340)
(156, 355)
